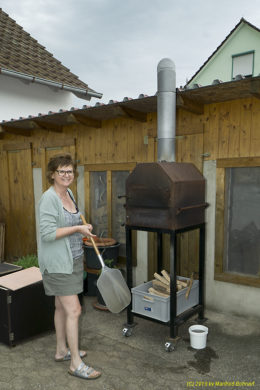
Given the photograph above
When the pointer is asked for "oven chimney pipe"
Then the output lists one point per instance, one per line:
(166, 110)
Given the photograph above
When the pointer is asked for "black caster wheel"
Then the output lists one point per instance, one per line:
(169, 347)
(127, 332)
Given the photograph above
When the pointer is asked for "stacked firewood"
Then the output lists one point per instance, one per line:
(161, 284)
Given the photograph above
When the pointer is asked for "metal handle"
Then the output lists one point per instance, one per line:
(196, 206)
(93, 243)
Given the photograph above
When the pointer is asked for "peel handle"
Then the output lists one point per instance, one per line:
(93, 243)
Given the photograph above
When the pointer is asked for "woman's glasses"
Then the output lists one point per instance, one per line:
(63, 173)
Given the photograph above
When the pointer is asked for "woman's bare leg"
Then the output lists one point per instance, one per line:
(60, 327)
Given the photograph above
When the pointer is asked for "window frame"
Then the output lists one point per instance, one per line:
(241, 55)
(219, 273)
(108, 168)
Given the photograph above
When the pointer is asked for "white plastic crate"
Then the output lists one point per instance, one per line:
(157, 307)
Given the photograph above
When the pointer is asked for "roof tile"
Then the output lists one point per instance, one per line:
(22, 53)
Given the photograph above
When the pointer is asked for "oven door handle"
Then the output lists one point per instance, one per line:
(195, 206)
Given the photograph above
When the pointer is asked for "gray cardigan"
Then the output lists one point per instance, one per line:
(53, 255)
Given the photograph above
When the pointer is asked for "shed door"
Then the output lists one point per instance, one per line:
(17, 199)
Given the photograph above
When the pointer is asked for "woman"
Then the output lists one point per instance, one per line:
(60, 254)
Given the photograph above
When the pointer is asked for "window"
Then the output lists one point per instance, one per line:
(243, 64)
(242, 238)
(104, 193)
(237, 241)
(98, 196)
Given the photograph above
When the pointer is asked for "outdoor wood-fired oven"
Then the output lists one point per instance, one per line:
(166, 197)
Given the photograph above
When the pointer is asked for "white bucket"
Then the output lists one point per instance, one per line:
(198, 336)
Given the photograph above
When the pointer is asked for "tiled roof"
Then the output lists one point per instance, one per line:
(21, 53)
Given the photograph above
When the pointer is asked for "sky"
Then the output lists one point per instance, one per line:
(114, 46)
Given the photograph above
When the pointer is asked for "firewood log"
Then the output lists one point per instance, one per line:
(189, 288)
(161, 279)
(183, 283)
(166, 275)
(155, 292)
(159, 286)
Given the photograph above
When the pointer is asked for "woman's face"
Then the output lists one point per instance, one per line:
(63, 176)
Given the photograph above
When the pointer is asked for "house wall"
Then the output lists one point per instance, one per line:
(21, 98)
(244, 39)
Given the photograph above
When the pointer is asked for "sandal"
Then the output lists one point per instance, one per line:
(68, 356)
(85, 372)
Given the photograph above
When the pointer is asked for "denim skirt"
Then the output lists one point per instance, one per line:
(59, 284)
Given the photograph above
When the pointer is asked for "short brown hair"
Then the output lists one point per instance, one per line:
(60, 160)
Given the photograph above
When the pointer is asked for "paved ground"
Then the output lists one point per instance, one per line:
(231, 359)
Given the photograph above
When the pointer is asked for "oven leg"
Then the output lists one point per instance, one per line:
(129, 273)
(201, 270)
(173, 292)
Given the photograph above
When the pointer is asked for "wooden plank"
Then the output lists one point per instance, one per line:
(53, 142)
(238, 279)
(131, 142)
(86, 121)
(71, 149)
(196, 150)
(152, 255)
(224, 123)
(151, 157)
(5, 214)
(151, 131)
(89, 142)
(4, 193)
(100, 146)
(18, 131)
(110, 167)
(234, 129)
(87, 194)
(20, 228)
(188, 123)
(246, 125)
(109, 203)
(184, 254)
(48, 126)
(16, 146)
(220, 208)
(238, 162)
(117, 147)
(2, 242)
(255, 134)
(135, 115)
(44, 168)
(193, 240)
(189, 105)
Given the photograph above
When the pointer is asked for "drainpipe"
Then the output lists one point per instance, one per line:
(166, 110)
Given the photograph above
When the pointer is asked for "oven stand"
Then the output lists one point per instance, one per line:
(175, 321)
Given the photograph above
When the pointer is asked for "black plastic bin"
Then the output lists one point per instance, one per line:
(107, 252)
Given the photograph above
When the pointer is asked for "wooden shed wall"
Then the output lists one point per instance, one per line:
(225, 130)
(116, 141)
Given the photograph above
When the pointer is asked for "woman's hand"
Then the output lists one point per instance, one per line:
(86, 230)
